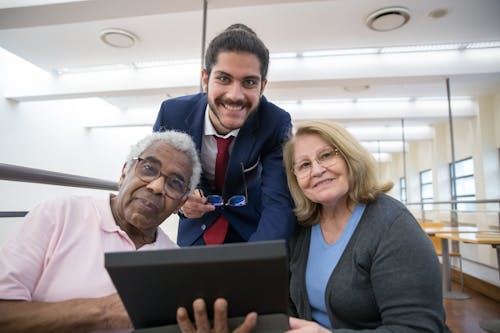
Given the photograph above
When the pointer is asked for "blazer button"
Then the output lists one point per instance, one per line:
(203, 226)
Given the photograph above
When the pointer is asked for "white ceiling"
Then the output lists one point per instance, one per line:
(57, 34)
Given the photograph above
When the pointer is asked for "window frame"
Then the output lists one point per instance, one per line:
(453, 186)
(402, 190)
(422, 184)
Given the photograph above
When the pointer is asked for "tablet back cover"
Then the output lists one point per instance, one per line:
(153, 284)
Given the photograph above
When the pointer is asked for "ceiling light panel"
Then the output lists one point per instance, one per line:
(422, 48)
(322, 55)
(341, 52)
(384, 146)
(394, 133)
(382, 108)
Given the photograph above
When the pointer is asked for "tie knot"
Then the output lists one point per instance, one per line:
(223, 143)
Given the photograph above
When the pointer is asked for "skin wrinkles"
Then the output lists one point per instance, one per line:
(141, 207)
(326, 186)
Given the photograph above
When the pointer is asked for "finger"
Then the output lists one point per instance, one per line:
(200, 316)
(183, 321)
(300, 325)
(195, 198)
(297, 323)
(220, 316)
(196, 213)
(203, 206)
(248, 324)
(196, 206)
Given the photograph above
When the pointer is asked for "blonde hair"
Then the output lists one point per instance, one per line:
(364, 186)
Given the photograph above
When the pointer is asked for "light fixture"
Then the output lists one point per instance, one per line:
(387, 19)
(283, 55)
(124, 125)
(482, 45)
(380, 108)
(118, 38)
(91, 69)
(165, 63)
(340, 52)
(422, 48)
(462, 46)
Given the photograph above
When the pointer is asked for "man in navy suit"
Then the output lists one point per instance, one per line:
(232, 105)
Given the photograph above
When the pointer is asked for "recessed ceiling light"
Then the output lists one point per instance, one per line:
(118, 38)
(387, 19)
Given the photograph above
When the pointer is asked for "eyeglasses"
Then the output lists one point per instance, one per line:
(325, 158)
(148, 170)
(235, 200)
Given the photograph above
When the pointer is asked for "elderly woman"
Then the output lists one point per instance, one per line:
(359, 260)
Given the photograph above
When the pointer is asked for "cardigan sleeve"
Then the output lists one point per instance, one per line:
(406, 281)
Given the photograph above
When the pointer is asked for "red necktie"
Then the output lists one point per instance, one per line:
(217, 231)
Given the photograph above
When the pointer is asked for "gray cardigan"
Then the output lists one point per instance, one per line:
(387, 280)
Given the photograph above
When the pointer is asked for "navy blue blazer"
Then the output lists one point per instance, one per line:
(259, 146)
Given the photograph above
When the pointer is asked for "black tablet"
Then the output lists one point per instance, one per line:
(251, 276)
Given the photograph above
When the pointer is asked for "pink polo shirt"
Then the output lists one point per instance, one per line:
(59, 252)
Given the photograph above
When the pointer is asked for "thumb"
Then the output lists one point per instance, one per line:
(248, 324)
(297, 323)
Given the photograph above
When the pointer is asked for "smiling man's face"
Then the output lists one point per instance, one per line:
(233, 88)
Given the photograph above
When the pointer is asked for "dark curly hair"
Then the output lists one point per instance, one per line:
(237, 38)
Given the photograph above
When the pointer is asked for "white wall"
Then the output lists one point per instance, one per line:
(52, 135)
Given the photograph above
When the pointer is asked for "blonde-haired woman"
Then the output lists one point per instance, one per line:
(359, 260)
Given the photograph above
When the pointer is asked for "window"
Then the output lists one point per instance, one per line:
(426, 190)
(402, 189)
(462, 183)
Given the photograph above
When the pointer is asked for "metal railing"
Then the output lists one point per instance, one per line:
(32, 175)
(454, 212)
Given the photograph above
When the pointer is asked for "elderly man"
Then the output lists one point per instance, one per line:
(52, 274)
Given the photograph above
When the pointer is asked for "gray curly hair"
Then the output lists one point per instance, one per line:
(178, 140)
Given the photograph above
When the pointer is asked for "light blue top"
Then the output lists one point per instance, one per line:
(322, 260)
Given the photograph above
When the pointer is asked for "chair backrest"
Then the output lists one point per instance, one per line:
(435, 241)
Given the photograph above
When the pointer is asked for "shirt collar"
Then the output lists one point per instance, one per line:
(209, 129)
(108, 222)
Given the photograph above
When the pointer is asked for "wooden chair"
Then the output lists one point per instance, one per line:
(437, 246)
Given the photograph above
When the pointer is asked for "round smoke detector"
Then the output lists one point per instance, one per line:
(387, 19)
(118, 38)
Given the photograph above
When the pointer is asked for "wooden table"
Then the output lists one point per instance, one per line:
(432, 231)
(480, 237)
(443, 250)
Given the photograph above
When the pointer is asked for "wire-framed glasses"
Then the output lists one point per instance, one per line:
(326, 158)
(148, 170)
(235, 200)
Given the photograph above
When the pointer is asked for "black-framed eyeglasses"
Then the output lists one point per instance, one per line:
(326, 158)
(148, 170)
(234, 201)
